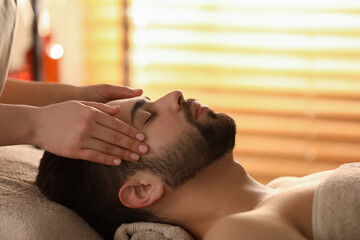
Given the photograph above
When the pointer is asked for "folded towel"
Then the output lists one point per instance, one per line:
(24, 212)
(336, 207)
(150, 231)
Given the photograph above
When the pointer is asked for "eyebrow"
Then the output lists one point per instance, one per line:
(139, 103)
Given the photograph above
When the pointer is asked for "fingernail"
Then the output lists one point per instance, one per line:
(140, 137)
(117, 161)
(134, 156)
(143, 148)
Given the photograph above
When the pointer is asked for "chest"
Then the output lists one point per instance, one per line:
(294, 206)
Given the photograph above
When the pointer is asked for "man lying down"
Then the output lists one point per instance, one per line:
(191, 179)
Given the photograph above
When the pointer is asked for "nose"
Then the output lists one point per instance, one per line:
(177, 100)
(173, 100)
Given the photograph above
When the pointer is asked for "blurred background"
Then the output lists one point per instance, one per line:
(287, 71)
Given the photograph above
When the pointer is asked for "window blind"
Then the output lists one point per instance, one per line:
(287, 71)
(104, 41)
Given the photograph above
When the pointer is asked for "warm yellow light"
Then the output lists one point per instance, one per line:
(255, 4)
(56, 51)
(26, 12)
(287, 72)
(44, 23)
(140, 17)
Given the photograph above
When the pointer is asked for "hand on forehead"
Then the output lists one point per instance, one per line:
(125, 108)
(161, 120)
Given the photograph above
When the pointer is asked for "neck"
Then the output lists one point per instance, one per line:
(218, 191)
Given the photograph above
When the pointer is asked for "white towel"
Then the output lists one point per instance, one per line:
(336, 208)
(151, 231)
(25, 214)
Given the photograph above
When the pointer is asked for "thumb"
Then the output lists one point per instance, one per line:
(127, 92)
(111, 110)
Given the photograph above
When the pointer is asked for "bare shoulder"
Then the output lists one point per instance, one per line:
(250, 226)
(285, 182)
(282, 182)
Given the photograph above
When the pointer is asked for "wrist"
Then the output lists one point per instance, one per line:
(77, 93)
(17, 124)
(81, 94)
(32, 117)
(66, 92)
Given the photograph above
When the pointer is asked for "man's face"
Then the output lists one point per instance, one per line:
(161, 120)
(185, 135)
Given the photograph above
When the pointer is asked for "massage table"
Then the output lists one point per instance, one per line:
(26, 214)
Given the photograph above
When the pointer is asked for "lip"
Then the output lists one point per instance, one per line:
(199, 109)
(195, 106)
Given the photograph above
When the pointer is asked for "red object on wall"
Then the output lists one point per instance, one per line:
(25, 73)
(50, 66)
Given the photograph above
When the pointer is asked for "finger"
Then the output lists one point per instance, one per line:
(119, 126)
(119, 139)
(127, 92)
(124, 92)
(109, 149)
(114, 123)
(99, 157)
(112, 110)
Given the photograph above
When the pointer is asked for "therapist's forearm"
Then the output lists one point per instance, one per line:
(37, 93)
(16, 124)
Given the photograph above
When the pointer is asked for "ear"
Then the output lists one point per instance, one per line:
(141, 190)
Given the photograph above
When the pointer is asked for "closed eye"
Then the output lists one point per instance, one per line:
(150, 118)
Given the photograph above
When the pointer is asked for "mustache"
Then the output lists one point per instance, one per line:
(188, 102)
(186, 106)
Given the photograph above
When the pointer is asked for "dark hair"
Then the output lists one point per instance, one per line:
(91, 190)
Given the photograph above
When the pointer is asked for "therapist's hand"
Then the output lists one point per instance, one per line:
(106, 92)
(88, 131)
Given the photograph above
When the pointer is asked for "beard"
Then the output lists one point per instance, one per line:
(196, 148)
(218, 133)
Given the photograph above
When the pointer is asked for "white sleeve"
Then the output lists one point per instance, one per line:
(8, 11)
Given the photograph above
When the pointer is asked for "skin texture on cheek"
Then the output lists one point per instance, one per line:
(164, 130)
(181, 145)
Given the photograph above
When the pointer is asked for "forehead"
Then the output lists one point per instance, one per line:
(125, 107)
